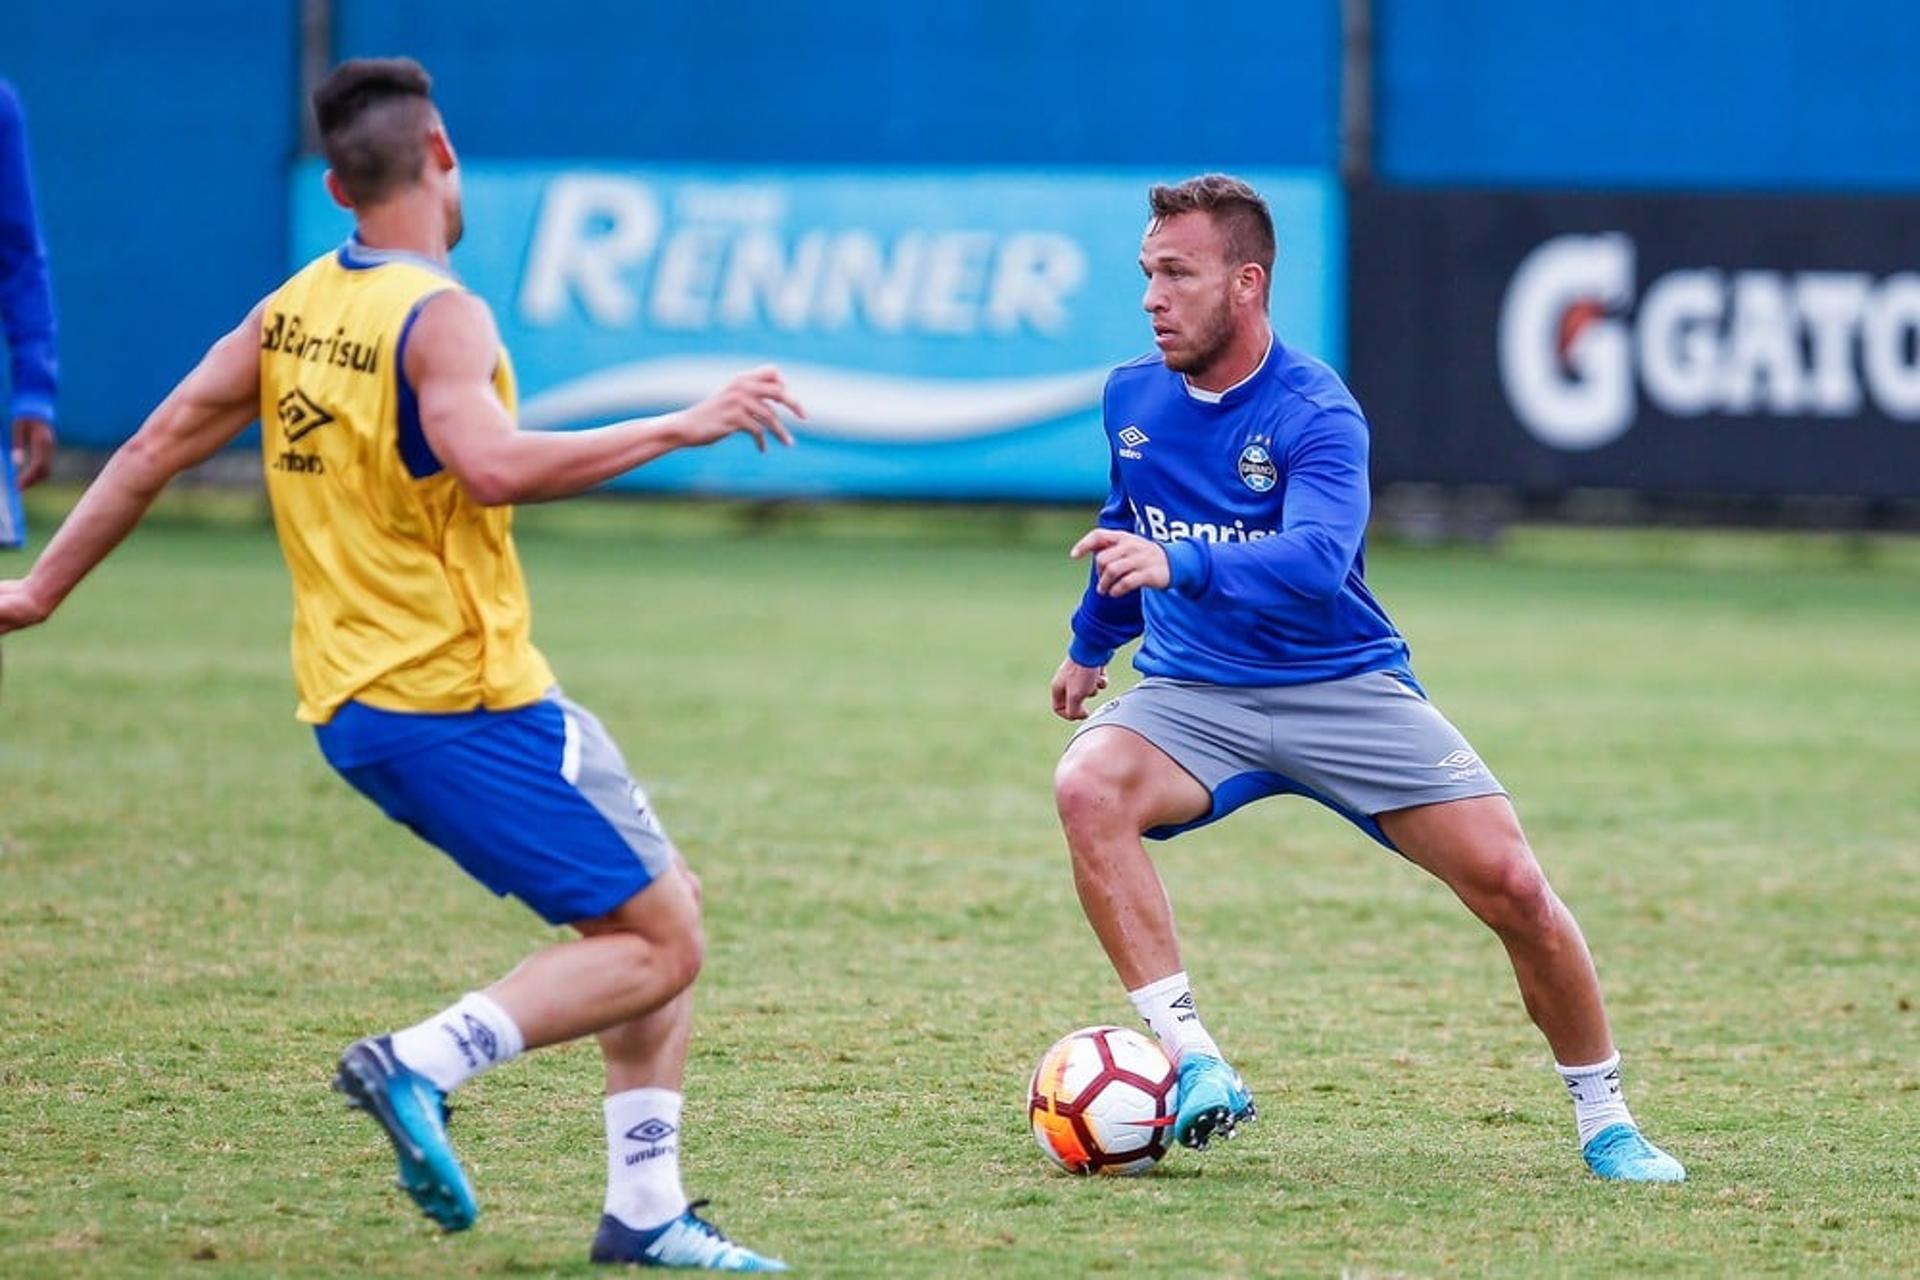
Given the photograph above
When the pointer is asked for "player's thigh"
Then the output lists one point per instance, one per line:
(537, 803)
(1474, 845)
(665, 912)
(1112, 765)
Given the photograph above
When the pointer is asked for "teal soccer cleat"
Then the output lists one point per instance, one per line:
(1212, 1101)
(689, 1242)
(413, 1111)
(1619, 1153)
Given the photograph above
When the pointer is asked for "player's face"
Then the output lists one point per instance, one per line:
(1188, 298)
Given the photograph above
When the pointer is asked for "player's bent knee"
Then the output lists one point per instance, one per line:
(664, 919)
(1518, 902)
(684, 957)
(1089, 794)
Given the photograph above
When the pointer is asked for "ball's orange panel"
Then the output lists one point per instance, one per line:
(1058, 1133)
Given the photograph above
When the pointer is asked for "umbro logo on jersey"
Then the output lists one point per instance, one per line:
(299, 415)
(1131, 438)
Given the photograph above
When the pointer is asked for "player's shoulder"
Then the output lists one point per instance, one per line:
(1313, 383)
(1145, 362)
(1132, 388)
(1145, 373)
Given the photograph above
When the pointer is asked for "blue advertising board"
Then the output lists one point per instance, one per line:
(949, 332)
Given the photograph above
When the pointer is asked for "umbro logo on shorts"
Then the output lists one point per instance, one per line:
(1462, 764)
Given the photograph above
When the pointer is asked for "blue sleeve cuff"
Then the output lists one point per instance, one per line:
(1190, 566)
(1088, 655)
(28, 404)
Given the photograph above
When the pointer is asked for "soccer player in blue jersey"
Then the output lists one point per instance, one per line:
(1231, 546)
(26, 318)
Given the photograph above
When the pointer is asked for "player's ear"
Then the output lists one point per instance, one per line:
(440, 149)
(1250, 281)
(337, 191)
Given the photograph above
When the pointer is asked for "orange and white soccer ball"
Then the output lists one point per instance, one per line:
(1101, 1101)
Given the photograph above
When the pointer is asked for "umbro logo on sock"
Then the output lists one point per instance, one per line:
(654, 1132)
(652, 1129)
(478, 1042)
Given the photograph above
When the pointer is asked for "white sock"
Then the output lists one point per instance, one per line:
(643, 1158)
(460, 1041)
(1597, 1100)
(1167, 1007)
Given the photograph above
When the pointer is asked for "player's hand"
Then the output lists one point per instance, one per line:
(751, 403)
(32, 450)
(1073, 684)
(1126, 561)
(20, 607)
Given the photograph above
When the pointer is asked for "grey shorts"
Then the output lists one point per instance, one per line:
(1362, 746)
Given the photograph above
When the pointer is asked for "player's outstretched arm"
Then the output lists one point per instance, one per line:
(450, 361)
(209, 407)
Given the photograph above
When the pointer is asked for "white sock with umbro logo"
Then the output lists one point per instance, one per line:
(643, 1158)
(1597, 1098)
(460, 1041)
(1168, 1009)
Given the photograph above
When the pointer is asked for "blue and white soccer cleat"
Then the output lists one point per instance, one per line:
(414, 1113)
(689, 1242)
(1619, 1153)
(1213, 1101)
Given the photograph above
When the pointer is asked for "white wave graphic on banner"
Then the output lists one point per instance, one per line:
(843, 404)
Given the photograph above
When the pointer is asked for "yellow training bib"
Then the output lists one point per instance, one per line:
(407, 594)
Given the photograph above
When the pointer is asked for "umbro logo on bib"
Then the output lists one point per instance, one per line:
(299, 415)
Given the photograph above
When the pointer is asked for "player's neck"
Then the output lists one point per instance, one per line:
(1236, 364)
(411, 226)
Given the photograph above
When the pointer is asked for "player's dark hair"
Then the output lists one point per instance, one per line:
(373, 115)
(1236, 208)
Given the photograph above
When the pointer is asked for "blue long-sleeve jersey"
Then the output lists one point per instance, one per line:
(26, 301)
(1259, 495)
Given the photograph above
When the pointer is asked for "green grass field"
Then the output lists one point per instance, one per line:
(1714, 739)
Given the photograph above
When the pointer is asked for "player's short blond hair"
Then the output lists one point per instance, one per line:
(1237, 209)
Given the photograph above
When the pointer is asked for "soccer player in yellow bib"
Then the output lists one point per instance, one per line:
(392, 455)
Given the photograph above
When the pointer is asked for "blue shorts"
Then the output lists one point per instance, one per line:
(535, 802)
